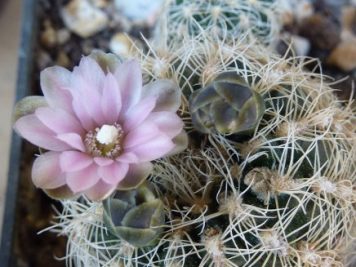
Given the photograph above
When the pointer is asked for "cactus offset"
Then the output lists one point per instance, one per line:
(227, 106)
(135, 216)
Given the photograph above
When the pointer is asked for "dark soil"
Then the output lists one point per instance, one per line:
(34, 213)
(323, 30)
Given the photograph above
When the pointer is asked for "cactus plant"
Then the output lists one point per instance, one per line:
(284, 195)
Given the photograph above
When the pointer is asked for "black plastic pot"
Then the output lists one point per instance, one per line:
(25, 64)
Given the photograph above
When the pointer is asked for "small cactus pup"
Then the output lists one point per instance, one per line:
(227, 105)
(135, 216)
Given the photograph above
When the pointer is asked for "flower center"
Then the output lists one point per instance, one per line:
(105, 141)
(107, 134)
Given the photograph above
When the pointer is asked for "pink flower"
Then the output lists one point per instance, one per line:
(101, 128)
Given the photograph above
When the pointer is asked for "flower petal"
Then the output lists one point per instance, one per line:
(111, 99)
(136, 175)
(127, 158)
(87, 96)
(154, 149)
(129, 78)
(72, 161)
(85, 118)
(103, 161)
(143, 133)
(167, 93)
(100, 191)
(28, 105)
(33, 130)
(46, 171)
(88, 80)
(60, 193)
(91, 72)
(84, 179)
(138, 113)
(181, 143)
(55, 84)
(58, 120)
(168, 123)
(114, 173)
(72, 139)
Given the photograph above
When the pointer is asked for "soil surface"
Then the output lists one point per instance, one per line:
(35, 213)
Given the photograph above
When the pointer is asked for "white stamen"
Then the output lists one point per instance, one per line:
(107, 134)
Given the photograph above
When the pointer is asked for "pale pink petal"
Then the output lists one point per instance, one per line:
(55, 84)
(100, 191)
(84, 179)
(88, 97)
(136, 175)
(85, 118)
(180, 143)
(114, 173)
(111, 99)
(87, 81)
(91, 72)
(138, 113)
(33, 130)
(154, 149)
(46, 171)
(72, 139)
(103, 161)
(127, 158)
(167, 122)
(167, 93)
(129, 78)
(72, 161)
(58, 120)
(142, 134)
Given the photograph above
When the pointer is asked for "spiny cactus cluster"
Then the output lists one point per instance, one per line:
(280, 194)
(225, 19)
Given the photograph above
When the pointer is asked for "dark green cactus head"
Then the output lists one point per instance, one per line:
(227, 105)
(135, 216)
